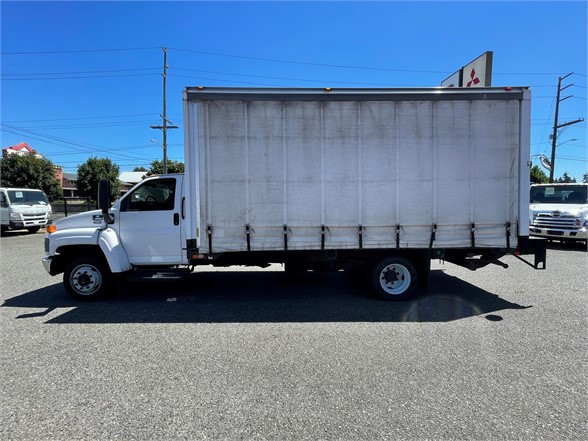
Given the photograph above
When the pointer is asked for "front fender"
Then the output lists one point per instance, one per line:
(115, 254)
(72, 237)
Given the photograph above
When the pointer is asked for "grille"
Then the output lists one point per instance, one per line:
(564, 222)
(33, 216)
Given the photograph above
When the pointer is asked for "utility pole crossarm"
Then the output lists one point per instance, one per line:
(579, 120)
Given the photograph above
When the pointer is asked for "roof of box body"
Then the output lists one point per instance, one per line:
(331, 94)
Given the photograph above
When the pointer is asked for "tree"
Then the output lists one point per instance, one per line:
(585, 178)
(30, 171)
(172, 167)
(565, 179)
(93, 171)
(139, 169)
(538, 176)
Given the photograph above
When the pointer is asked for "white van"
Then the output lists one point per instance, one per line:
(24, 208)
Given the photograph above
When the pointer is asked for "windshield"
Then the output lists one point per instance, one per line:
(24, 197)
(553, 194)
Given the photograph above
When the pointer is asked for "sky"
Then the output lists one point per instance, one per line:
(82, 79)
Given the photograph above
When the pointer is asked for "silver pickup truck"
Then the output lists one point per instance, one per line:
(559, 211)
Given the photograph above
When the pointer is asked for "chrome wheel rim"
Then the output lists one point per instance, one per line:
(395, 279)
(85, 279)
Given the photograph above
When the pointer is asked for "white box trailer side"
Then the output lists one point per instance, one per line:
(309, 169)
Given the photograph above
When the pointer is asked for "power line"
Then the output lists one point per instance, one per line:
(79, 78)
(138, 147)
(41, 136)
(83, 117)
(274, 78)
(266, 59)
(91, 125)
(305, 63)
(342, 66)
(80, 51)
(573, 158)
(83, 72)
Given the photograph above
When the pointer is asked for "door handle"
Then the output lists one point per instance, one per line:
(176, 219)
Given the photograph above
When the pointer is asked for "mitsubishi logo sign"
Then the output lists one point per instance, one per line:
(474, 79)
(477, 73)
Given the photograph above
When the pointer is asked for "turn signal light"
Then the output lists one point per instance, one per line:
(51, 229)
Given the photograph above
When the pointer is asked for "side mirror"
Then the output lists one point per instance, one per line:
(104, 200)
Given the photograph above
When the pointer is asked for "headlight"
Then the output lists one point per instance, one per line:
(15, 216)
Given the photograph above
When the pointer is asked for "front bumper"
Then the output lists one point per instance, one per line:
(558, 233)
(47, 263)
(22, 224)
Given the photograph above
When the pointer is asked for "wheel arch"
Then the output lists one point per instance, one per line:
(65, 254)
(113, 251)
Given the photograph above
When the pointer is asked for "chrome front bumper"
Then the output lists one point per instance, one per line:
(47, 263)
(558, 233)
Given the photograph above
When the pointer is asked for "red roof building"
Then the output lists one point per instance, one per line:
(22, 148)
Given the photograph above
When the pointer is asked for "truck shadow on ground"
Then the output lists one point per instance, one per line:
(265, 297)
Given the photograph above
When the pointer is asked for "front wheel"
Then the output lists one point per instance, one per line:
(33, 230)
(87, 278)
(394, 278)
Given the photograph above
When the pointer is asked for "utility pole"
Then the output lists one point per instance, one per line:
(166, 124)
(556, 125)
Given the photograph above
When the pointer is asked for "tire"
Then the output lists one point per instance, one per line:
(295, 268)
(394, 278)
(33, 230)
(88, 278)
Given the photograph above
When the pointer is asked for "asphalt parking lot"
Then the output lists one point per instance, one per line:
(254, 354)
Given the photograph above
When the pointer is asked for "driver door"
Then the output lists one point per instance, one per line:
(150, 220)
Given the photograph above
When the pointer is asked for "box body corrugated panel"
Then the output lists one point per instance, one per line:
(330, 169)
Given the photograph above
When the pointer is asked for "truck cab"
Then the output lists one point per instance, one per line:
(559, 211)
(24, 208)
(143, 229)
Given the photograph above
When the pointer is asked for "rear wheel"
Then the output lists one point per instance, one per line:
(88, 278)
(33, 229)
(394, 278)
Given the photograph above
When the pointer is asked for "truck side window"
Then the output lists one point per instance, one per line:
(3, 200)
(151, 196)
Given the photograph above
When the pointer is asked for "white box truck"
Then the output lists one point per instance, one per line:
(374, 181)
(559, 211)
(24, 208)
